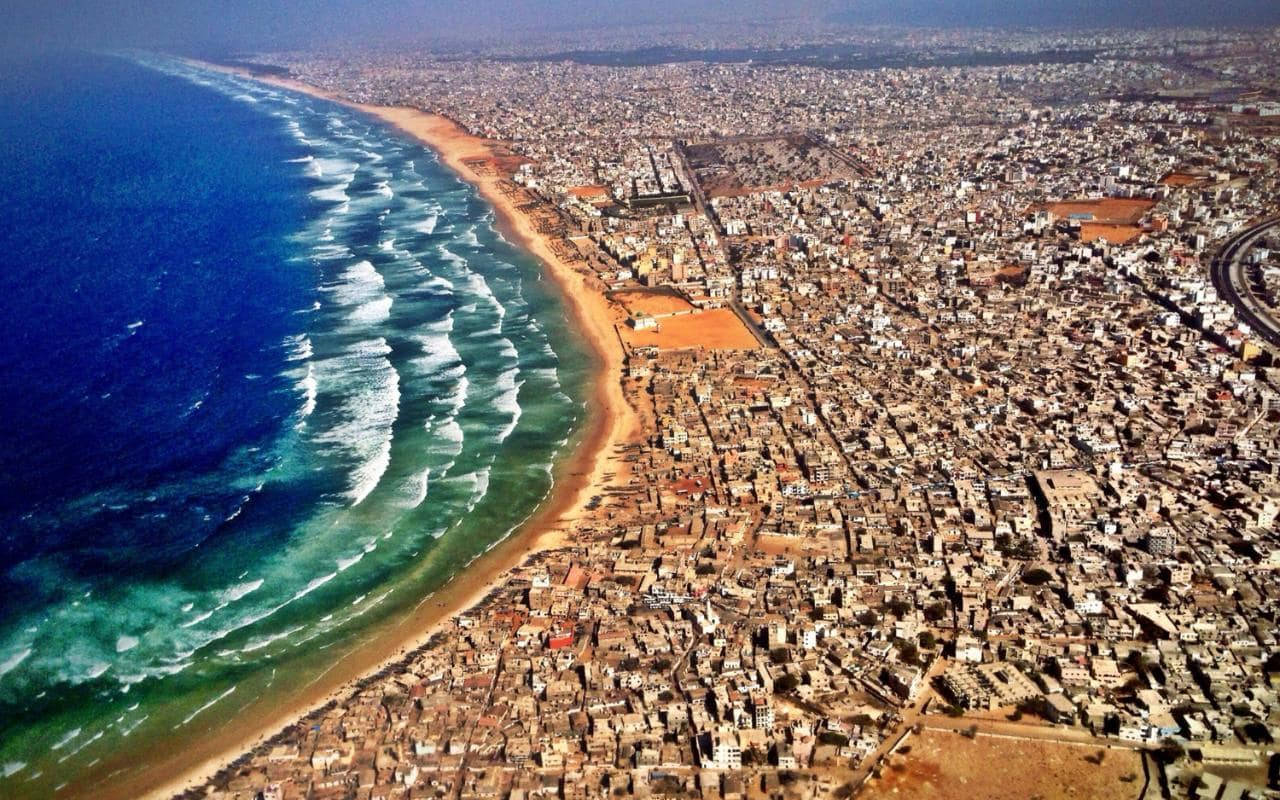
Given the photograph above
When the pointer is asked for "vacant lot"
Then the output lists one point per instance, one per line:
(746, 163)
(1181, 179)
(717, 329)
(1108, 210)
(1115, 234)
(652, 303)
(948, 766)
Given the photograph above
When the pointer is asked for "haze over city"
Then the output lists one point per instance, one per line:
(243, 24)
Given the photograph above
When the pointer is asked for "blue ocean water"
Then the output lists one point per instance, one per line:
(267, 376)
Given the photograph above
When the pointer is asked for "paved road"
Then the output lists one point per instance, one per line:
(1227, 273)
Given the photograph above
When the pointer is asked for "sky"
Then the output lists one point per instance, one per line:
(264, 24)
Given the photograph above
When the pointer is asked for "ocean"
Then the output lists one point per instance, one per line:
(269, 376)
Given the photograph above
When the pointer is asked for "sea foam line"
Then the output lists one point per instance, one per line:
(204, 707)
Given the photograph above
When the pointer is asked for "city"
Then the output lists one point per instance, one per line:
(953, 425)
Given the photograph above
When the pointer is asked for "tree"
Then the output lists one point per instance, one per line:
(1169, 752)
(1036, 577)
(786, 683)
(927, 640)
(1257, 732)
(868, 618)
(909, 653)
(898, 608)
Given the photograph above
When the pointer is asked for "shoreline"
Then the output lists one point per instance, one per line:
(610, 421)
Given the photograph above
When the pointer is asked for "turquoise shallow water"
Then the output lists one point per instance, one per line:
(313, 383)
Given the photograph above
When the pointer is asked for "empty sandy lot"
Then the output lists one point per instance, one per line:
(1180, 179)
(1115, 234)
(717, 329)
(948, 766)
(652, 303)
(1109, 210)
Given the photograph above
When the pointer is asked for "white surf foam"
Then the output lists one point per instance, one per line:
(82, 745)
(125, 730)
(313, 584)
(263, 641)
(416, 488)
(233, 593)
(309, 388)
(11, 663)
(359, 283)
(66, 739)
(298, 347)
(204, 707)
(428, 225)
(372, 312)
(331, 167)
(450, 431)
(331, 194)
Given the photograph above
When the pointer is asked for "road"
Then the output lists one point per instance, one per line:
(1227, 273)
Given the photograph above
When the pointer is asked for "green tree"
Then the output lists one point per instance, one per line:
(1036, 577)
(934, 612)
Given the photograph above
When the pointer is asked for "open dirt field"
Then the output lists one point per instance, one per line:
(1108, 210)
(948, 766)
(717, 329)
(743, 164)
(1180, 179)
(652, 303)
(1115, 234)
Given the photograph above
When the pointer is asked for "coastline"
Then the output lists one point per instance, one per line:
(610, 421)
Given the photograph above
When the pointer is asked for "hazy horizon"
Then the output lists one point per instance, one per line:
(190, 24)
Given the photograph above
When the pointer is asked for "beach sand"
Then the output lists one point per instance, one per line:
(611, 421)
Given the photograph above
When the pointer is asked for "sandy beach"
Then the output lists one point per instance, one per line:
(611, 421)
